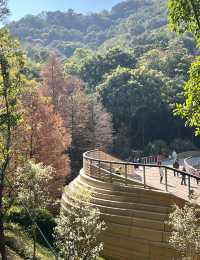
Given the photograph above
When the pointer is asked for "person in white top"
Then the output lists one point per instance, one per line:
(174, 156)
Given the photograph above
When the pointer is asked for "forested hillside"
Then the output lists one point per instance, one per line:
(128, 59)
(138, 24)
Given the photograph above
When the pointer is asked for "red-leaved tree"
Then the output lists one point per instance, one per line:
(43, 136)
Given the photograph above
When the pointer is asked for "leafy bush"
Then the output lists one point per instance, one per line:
(44, 220)
(78, 229)
(185, 235)
(19, 242)
(18, 215)
(46, 223)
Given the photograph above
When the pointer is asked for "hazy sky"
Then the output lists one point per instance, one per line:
(20, 8)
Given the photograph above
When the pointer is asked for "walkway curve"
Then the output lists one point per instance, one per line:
(143, 174)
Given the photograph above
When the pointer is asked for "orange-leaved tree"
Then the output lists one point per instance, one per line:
(44, 137)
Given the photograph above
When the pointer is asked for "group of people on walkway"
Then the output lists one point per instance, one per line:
(176, 173)
(176, 166)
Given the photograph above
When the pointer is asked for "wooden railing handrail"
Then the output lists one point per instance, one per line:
(85, 156)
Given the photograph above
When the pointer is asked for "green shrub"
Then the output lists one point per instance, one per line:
(18, 215)
(44, 219)
(46, 223)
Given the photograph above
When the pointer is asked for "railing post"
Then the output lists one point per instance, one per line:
(144, 176)
(90, 167)
(126, 174)
(110, 172)
(189, 187)
(99, 163)
(166, 186)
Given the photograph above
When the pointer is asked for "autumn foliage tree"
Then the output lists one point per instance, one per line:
(44, 137)
(53, 80)
(85, 119)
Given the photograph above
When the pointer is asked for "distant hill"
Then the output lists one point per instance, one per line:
(139, 24)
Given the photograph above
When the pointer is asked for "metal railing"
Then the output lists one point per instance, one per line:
(149, 160)
(100, 165)
(192, 165)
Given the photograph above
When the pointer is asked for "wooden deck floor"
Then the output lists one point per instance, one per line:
(174, 183)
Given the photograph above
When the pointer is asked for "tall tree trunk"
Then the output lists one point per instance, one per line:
(2, 236)
(34, 242)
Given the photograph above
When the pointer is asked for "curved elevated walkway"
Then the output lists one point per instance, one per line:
(135, 212)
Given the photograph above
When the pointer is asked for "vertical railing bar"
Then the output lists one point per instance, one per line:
(110, 172)
(189, 187)
(126, 174)
(144, 176)
(99, 163)
(166, 185)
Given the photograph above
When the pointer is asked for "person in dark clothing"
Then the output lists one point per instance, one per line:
(137, 161)
(183, 177)
(176, 166)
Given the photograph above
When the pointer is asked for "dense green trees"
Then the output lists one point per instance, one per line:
(139, 92)
(130, 93)
(138, 24)
(134, 97)
(184, 16)
(190, 109)
(93, 68)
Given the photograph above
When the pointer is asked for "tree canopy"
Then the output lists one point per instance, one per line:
(184, 16)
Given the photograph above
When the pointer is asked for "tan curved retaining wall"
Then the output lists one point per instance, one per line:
(135, 217)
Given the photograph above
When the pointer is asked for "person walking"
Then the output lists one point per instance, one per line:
(161, 172)
(176, 166)
(174, 156)
(183, 177)
(158, 159)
